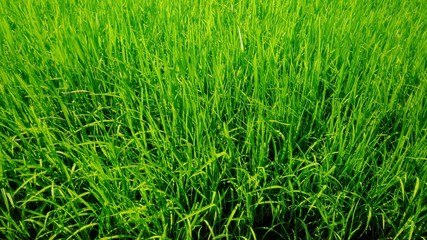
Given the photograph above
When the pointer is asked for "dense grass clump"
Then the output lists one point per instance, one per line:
(213, 119)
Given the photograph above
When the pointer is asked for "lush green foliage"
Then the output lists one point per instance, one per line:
(213, 119)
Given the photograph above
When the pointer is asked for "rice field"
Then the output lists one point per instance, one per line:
(213, 119)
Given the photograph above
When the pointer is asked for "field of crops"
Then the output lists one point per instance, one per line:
(240, 119)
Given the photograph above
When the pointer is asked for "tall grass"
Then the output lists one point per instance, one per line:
(213, 119)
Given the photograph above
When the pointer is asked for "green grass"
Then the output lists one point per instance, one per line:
(213, 119)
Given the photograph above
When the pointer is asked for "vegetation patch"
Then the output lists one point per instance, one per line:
(213, 119)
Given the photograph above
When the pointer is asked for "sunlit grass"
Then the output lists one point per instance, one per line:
(213, 120)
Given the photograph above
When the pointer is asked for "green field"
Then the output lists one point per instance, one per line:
(240, 119)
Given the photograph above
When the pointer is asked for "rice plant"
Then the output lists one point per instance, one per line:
(213, 119)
